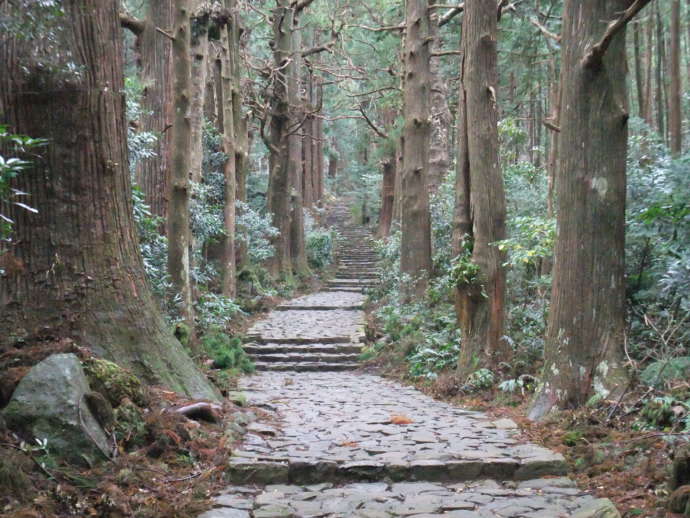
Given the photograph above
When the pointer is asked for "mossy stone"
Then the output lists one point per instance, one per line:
(114, 382)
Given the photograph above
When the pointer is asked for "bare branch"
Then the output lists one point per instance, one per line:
(370, 123)
(166, 34)
(400, 27)
(452, 13)
(596, 54)
(447, 53)
(546, 32)
(135, 25)
(301, 5)
(550, 124)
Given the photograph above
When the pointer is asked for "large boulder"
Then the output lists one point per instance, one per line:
(51, 402)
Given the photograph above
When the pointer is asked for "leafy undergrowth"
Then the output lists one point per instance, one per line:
(612, 447)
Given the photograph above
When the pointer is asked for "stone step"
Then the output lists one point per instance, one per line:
(356, 275)
(341, 428)
(305, 366)
(247, 470)
(317, 308)
(272, 348)
(341, 283)
(348, 289)
(305, 358)
(546, 498)
(297, 340)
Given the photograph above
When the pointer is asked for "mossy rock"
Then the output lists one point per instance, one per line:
(183, 333)
(114, 382)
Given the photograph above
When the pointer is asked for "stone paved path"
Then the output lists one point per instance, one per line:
(350, 444)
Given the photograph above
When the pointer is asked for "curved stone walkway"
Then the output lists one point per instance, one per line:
(349, 444)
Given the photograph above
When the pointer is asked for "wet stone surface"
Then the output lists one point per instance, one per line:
(545, 498)
(323, 300)
(309, 325)
(338, 426)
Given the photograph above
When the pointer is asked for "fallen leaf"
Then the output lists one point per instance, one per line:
(401, 419)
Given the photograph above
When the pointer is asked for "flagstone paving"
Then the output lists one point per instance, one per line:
(352, 444)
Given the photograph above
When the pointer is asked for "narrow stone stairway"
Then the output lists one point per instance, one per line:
(350, 444)
(322, 331)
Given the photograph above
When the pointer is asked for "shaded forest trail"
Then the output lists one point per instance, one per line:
(339, 442)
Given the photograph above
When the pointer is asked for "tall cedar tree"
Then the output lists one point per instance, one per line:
(277, 141)
(480, 210)
(586, 328)
(179, 230)
(81, 273)
(415, 246)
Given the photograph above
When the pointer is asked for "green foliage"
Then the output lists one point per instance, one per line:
(463, 272)
(481, 379)
(215, 311)
(666, 413)
(659, 373)
(10, 167)
(153, 246)
(532, 240)
(255, 231)
(140, 144)
(524, 383)
(320, 245)
(572, 438)
(226, 352)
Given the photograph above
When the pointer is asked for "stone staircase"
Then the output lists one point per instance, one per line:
(322, 331)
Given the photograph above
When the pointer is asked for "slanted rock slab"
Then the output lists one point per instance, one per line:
(50, 403)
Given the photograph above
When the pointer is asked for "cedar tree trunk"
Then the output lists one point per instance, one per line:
(81, 272)
(482, 208)
(584, 343)
(415, 246)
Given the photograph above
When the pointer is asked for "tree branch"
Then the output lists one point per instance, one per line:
(166, 34)
(596, 54)
(301, 5)
(129, 22)
(550, 124)
(447, 53)
(370, 123)
(400, 27)
(546, 32)
(452, 13)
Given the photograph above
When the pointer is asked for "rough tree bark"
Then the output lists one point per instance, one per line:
(179, 232)
(199, 56)
(277, 141)
(481, 210)
(415, 246)
(584, 344)
(295, 142)
(387, 196)
(229, 83)
(81, 272)
(319, 160)
(153, 175)
(675, 121)
(441, 118)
